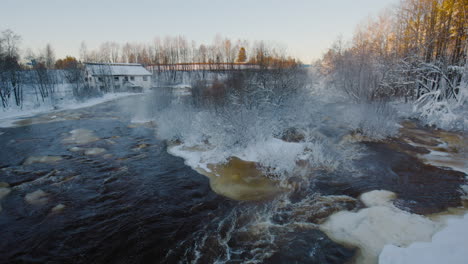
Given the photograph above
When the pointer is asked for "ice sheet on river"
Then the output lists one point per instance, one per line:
(381, 223)
(10, 117)
(447, 246)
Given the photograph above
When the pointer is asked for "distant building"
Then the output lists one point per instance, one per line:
(117, 77)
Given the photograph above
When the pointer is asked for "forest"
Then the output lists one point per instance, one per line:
(417, 51)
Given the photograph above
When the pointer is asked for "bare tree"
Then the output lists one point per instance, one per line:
(83, 52)
(49, 57)
(10, 75)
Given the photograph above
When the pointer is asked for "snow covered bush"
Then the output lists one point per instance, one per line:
(446, 104)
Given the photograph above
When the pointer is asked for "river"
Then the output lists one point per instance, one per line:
(91, 186)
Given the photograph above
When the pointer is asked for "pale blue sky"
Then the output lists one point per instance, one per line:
(306, 27)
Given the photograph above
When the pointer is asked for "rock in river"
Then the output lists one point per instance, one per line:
(3, 192)
(58, 208)
(41, 159)
(80, 136)
(94, 151)
(38, 197)
(88, 151)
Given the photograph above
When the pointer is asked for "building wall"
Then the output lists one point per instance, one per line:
(119, 83)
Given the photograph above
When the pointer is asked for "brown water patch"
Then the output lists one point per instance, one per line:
(426, 188)
(48, 118)
(405, 147)
(140, 147)
(421, 188)
(442, 148)
(240, 180)
(354, 137)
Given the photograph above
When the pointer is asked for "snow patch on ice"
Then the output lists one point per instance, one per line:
(378, 198)
(372, 228)
(447, 246)
(196, 159)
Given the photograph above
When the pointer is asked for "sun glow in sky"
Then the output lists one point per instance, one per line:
(306, 27)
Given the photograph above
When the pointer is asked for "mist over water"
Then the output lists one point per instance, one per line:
(273, 119)
(304, 158)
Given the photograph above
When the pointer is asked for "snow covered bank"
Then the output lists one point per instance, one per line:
(450, 245)
(379, 224)
(13, 114)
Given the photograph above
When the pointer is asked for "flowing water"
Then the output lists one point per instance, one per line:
(90, 186)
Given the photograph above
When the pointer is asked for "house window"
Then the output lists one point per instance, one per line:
(116, 78)
(132, 78)
(145, 78)
(126, 78)
(99, 79)
(101, 87)
(86, 79)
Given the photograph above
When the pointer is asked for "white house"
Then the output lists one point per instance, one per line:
(117, 77)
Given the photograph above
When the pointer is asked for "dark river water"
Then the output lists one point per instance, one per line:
(135, 203)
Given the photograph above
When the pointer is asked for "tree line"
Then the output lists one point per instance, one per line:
(167, 56)
(417, 50)
(180, 51)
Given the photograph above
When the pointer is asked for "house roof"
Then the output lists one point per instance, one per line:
(116, 69)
